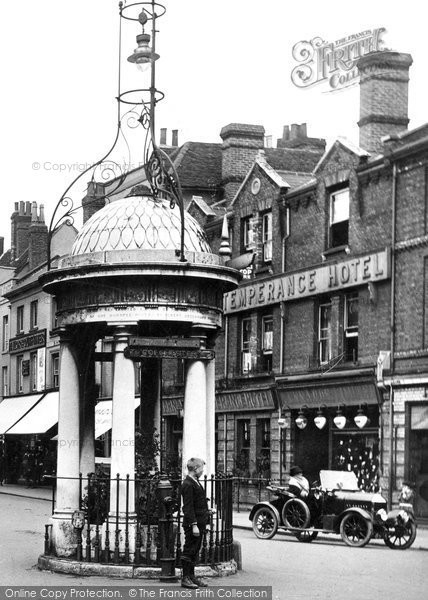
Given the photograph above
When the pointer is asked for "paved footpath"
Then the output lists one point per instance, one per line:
(240, 519)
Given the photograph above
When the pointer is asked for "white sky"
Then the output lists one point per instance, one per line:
(221, 62)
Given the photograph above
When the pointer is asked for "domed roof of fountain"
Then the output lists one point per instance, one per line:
(139, 223)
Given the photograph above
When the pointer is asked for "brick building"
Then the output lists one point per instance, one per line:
(326, 352)
(30, 353)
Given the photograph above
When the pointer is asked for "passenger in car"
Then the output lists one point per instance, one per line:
(298, 484)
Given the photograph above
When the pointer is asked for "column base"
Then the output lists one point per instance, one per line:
(120, 546)
(64, 535)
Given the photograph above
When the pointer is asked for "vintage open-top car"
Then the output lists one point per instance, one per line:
(336, 505)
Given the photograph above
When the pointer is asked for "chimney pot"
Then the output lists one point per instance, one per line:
(34, 212)
(294, 134)
(303, 130)
(175, 137)
(28, 208)
(42, 213)
(163, 136)
(286, 133)
(21, 207)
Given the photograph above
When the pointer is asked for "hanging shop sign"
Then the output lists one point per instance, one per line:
(244, 401)
(28, 342)
(320, 280)
(140, 347)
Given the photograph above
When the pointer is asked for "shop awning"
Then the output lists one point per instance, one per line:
(104, 415)
(13, 409)
(329, 395)
(40, 418)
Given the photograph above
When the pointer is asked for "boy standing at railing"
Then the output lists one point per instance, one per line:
(195, 521)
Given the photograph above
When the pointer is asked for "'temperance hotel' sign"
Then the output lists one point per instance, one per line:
(320, 280)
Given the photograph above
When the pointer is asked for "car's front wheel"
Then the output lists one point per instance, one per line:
(265, 523)
(355, 530)
(401, 535)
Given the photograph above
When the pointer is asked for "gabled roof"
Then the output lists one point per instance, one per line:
(261, 162)
(199, 164)
(344, 143)
(293, 159)
(202, 205)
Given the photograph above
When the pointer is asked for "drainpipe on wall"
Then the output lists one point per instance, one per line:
(392, 340)
(281, 338)
(226, 345)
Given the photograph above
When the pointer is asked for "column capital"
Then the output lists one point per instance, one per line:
(121, 334)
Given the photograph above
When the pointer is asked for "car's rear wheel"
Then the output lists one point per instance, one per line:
(295, 513)
(306, 536)
(355, 530)
(401, 535)
(265, 523)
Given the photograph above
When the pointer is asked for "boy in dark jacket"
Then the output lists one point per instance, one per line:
(195, 520)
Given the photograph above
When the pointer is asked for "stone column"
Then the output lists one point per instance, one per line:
(195, 409)
(210, 418)
(123, 429)
(68, 460)
(87, 448)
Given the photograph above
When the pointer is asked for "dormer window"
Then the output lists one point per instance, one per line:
(339, 218)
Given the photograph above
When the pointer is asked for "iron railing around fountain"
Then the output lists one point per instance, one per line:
(106, 534)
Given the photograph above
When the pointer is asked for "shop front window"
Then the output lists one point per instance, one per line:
(5, 381)
(19, 374)
(55, 370)
(418, 457)
(358, 452)
(33, 371)
(242, 459)
(263, 448)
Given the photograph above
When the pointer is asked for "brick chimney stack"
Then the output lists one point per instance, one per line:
(296, 136)
(241, 144)
(384, 83)
(20, 222)
(94, 199)
(37, 237)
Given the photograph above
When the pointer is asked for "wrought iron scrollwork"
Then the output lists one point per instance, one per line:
(159, 170)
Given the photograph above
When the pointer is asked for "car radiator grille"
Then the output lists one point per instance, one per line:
(365, 505)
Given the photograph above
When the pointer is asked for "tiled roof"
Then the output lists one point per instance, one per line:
(293, 159)
(5, 259)
(199, 164)
(295, 179)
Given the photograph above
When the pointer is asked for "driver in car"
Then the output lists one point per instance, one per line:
(298, 484)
